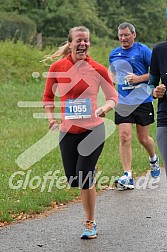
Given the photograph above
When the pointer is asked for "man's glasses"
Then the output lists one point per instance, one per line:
(124, 35)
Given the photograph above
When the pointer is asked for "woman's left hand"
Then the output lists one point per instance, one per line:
(100, 112)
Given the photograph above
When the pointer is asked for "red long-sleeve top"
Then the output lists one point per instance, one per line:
(79, 81)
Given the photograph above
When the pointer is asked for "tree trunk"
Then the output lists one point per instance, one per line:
(39, 40)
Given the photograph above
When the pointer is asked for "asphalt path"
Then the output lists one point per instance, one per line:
(131, 220)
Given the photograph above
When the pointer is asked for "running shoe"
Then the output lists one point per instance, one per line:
(124, 182)
(155, 168)
(90, 230)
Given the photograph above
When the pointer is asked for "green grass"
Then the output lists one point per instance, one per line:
(19, 131)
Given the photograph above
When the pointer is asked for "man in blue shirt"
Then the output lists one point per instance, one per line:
(129, 64)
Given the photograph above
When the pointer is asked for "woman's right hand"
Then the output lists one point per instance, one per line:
(53, 124)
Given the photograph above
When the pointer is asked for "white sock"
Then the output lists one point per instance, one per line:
(129, 173)
(153, 159)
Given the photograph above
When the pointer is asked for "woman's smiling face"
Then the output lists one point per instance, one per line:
(79, 45)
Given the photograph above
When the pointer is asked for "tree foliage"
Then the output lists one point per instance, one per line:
(147, 16)
(55, 17)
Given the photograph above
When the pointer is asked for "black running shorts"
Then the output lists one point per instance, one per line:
(140, 114)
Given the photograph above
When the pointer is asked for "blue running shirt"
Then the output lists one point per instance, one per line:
(135, 60)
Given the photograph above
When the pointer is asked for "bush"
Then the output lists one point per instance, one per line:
(17, 27)
(19, 61)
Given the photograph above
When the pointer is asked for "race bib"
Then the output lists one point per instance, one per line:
(78, 108)
(128, 86)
